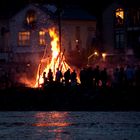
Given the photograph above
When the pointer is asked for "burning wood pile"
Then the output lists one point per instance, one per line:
(57, 59)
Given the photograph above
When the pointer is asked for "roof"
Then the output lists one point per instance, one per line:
(76, 13)
(69, 13)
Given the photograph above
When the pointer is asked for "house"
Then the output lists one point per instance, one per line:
(121, 31)
(27, 37)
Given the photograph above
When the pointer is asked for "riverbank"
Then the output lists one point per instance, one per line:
(70, 99)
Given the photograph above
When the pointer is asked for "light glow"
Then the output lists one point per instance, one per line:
(57, 59)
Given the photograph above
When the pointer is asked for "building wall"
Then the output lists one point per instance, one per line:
(17, 25)
(133, 30)
(69, 34)
(68, 31)
(4, 40)
(34, 50)
(4, 30)
(121, 42)
(108, 27)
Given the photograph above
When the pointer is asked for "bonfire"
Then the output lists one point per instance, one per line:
(57, 59)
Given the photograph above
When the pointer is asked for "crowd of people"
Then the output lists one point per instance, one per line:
(67, 78)
(88, 77)
(97, 77)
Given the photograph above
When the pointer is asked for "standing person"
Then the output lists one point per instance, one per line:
(58, 75)
(50, 76)
(122, 78)
(137, 76)
(83, 77)
(97, 76)
(67, 77)
(89, 77)
(129, 72)
(44, 78)
(116, 77)
(104, 77)
(73, 78)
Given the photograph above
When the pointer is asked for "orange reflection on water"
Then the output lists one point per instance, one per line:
(53, 124)
(57, 115)
(51, 119)
(61, 124)
(51, 115)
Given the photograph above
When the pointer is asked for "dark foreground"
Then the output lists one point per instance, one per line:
(70, 99)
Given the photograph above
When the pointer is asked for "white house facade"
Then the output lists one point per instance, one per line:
(29, 36)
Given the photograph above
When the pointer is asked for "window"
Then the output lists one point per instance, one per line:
(119, 17)
(91, 36)
(42, 40)
(24, 38)
(30, 19)
(134, 17)
(119, 39)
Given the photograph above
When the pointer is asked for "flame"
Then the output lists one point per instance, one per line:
(57, 58)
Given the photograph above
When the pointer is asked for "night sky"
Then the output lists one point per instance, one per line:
(8, 8)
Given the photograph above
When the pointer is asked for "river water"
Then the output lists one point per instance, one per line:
(53, 125)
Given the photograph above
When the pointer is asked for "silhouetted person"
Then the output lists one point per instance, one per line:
(89, 77)
(73, 78)
(44, 78)
(137, 76)
(83, 77)
(104, 77)
(122, 78)
(97, 75)
(129, 72)
(50, 75)
(116, 78)
(67, 77)
(58, 76)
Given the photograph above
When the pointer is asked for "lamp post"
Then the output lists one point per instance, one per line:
(59, 22)
(92, 55)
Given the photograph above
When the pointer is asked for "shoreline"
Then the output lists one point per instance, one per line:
(69, 99)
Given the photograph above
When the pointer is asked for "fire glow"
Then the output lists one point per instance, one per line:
(57, 59)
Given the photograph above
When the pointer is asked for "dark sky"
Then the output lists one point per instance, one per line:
(8, 7)
(11, 6)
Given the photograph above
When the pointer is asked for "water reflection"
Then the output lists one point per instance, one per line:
(62, 124)
(69, 125)
(55, 123)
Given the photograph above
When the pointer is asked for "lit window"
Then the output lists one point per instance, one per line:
(42, 38)
(119, 16)
(30, 19)
(23, 38)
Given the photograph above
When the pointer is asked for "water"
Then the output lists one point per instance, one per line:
(38, 125)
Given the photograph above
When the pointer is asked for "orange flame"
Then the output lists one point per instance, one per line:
(57, 59)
